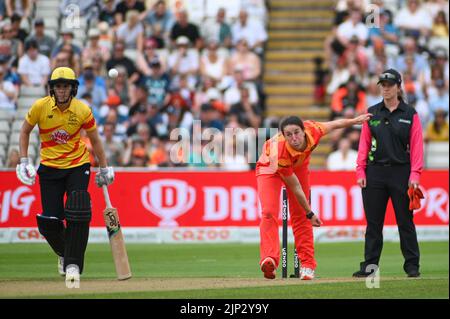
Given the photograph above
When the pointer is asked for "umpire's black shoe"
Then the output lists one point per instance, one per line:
(413, 273)
(362, 274)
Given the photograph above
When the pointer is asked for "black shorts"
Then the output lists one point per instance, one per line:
(55, 183)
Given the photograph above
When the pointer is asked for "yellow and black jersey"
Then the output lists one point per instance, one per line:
(61, 146)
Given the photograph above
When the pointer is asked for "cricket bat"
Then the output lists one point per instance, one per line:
(115, 236)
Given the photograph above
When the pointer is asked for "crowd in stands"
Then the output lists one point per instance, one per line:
(411, 36)
(171, 71)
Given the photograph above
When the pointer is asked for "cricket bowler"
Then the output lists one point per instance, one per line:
(285, 160)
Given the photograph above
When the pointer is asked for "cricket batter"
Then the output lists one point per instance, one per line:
(284, 160)
(64, 169)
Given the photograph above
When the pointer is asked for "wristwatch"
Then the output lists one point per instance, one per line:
(310, 215)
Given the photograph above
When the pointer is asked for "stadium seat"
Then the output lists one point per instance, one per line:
(20, 114)
(3, 139)
(25, 102)
(2, 152)
(4, 126)
(16, 126)
(6, 115)
(51, 22)
(32, 91)
(51, 33)
(437, 154)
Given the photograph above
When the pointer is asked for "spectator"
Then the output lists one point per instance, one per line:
(386, 31)
(159, 20)
(249, 115)
(88, 67)
(247, 61)
(352, 27)
(22, 7)
(439, 68)
(438, 129)
(119, 58)
(211, 117)
(439, 98)
(34, 68)
(233, 92)
(440, 26)
(183, 61)
(212, 64)
(156, 119)
(352, 96)
(10, 47)
(60, 60)
(46, 42)
(127, 5)
(200, 96)
(413, 20)
(143, 59)
(157, 84)
(218, 30)
(112, 145)
(135, 153)
(158, 155)
(434, 6)
(131, 32)
(107, 13)
(139, 98)
(106, 38)
(93, 47)
(339, 76)
(251, 30)
(13, 158)
(113, 102)
(373, 95)
(18, 32)
(8, 92)
(97, 92)
(2, 9)
(120, 86)
(67, 37)
(139, 117)
(186, 29)
(410, 49)
(344, 158)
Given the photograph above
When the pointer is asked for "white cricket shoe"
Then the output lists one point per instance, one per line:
(306, 274)
(61, 266)
(72, 273)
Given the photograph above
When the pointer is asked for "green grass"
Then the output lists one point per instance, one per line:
(26, 262)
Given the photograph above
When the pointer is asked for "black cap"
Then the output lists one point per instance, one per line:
(154, 62)
(39, 21)
(391, 76)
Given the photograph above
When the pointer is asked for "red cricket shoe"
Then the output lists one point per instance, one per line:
(268, 268)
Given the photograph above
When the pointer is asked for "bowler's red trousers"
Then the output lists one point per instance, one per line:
(269, 188)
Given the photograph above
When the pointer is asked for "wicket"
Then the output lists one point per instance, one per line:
(284, 252)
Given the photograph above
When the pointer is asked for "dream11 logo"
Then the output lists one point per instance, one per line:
(168, 199)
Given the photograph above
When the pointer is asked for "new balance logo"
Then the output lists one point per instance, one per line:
(86, 172)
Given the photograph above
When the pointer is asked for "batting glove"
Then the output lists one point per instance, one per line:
(104, 176)
(26, 172)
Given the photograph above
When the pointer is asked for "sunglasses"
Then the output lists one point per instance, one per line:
(387, 76)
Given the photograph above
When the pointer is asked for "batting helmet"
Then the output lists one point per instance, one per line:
(63, 75)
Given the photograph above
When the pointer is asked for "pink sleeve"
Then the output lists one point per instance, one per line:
(416, 149)
(363, 151)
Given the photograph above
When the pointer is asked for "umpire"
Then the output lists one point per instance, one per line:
(390, 159)
(64, 169)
